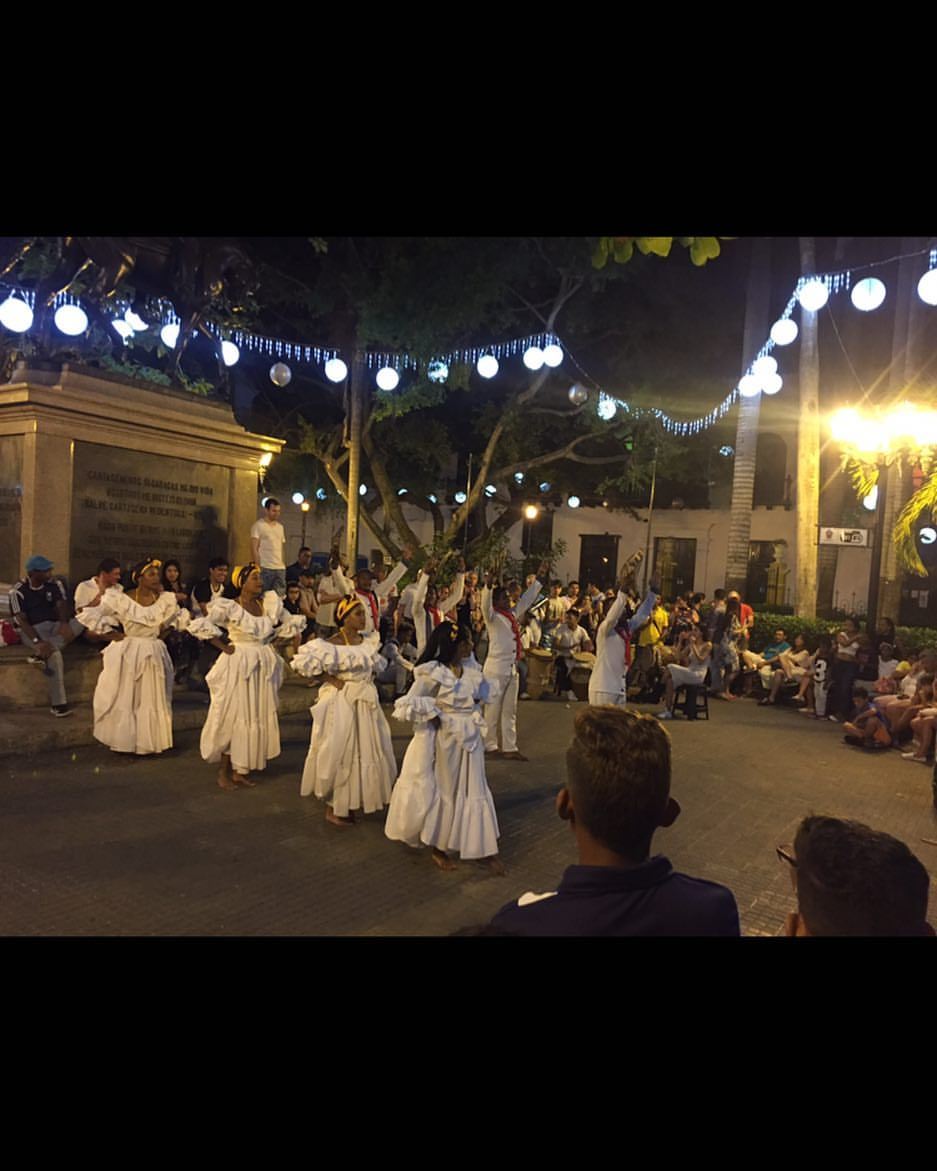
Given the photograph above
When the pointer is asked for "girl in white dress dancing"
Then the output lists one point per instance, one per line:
(350, 764)
(242, 730)
(133, 696)
(442, 797)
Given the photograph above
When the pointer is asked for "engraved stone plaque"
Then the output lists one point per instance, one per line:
(11, 502)
(131, 505)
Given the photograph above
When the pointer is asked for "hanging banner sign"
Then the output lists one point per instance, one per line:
(830, 536)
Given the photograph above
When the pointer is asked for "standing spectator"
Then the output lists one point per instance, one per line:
(554, 613)
(39, 608)
(267, 543)
(746, 618)
(617, 795)
(301, 565)
(888, 634)
(815, 684)
(728, 631)
(845, 670)
(650, 638)
(854, 881)
(712, 614)
(330, 591)
(504, 650)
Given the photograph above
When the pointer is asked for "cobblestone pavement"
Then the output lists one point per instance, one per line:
(93, 845)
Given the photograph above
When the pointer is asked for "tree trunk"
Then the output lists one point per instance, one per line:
(808, 451)
(746, 437)
(356, 391)
(904, 370)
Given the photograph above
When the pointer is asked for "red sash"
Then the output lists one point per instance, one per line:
(372, 602)
(434, 614)
(624, 633)
(509, 614)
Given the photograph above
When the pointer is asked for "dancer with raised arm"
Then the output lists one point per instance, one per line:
(350, 764)
(442, 798)
(431, 604)
(608, 683)
(133, 696)
(242, 730)
(504, 651)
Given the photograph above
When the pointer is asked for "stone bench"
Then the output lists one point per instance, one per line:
(23, 684)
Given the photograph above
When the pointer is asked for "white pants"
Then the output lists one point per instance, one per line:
(607, 698)
(502, 714)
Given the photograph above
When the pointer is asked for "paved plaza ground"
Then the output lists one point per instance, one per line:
(93, 845)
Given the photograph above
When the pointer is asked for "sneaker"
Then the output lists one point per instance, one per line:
(914, 759)
(61, 710)
(835, 719)
(664, 715)
(572, 697)
(524, 695)
(36, 661)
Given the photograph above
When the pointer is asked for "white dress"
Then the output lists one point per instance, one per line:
(245, 685)
(133, 696)
(442, 797)
(350, 763)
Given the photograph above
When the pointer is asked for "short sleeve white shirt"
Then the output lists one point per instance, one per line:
(271, 539)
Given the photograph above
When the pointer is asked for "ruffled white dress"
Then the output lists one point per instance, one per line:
(350, 763)
(133, 696)
(245, 685)
(442, 797)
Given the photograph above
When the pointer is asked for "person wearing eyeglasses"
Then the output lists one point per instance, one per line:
(851, 880)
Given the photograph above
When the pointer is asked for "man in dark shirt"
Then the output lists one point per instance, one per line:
(216, 585)
(301, 565)
(39, 606)
(617, 794)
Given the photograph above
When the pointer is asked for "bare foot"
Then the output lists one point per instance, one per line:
(244, 779)
(514, 756)
(224, 779)
(495, 865)
(442, 860)
(333, 819)
(493, 753)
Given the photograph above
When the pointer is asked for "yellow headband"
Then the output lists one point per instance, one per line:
(345, 606)
(242, 573)
(152, 563)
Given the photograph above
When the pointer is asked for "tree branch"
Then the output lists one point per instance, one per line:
(568, 451)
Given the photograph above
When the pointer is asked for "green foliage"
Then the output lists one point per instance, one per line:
(924, 501)
(137, 370)
(621, 248)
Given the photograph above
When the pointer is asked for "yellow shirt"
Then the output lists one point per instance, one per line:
(654, 631)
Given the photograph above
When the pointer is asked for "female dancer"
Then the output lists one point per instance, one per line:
(727, 632)
(133, 697)
(242, 730)
(350, 764)
(442, 797)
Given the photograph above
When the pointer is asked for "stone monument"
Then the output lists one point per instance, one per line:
(93, 465)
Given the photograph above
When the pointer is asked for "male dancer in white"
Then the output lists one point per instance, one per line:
(429, 606)
(363, 588)
(608, 683)
(504, 649)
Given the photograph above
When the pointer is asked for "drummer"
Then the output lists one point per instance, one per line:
(569, 639)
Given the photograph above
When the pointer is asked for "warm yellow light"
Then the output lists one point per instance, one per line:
(905, 425)
(266, 459)
(304, 506)
(531, 512)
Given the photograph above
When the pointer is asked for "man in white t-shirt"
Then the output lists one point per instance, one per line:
(569, 639)
(267, 541)
(88, 593)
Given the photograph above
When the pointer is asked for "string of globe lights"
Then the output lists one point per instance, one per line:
(762, 376)
(536, 350)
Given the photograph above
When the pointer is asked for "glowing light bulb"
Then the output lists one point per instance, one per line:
(437, 372)
(813, 295)
(553, 355)
(487, 365)
(573, 501)
(460, 498)
(71, 320)
(387, 378)
(784, 332)
(229, 353)
(336, 370)
(531, 512)
(749, 386)
(868, 294)
(15, 315)
(169, 334)
(927, 287)
(533, 358)
(298, 497)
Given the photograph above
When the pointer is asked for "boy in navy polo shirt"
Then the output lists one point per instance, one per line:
(617, 794)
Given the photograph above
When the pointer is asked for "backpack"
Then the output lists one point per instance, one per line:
(8, 634)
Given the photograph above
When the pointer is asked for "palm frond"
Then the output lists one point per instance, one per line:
(862, 474)
(924, 501)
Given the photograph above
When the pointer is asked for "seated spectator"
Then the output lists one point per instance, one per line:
(694, 655)
(923, 729)
(401, 655)
(887, 666)
(616, 796)
(854, 881)
(899, 711)
(569, 639)
(301, 565)
(39, 609)
(308, 606)
(769, 655)
(216, 585)
(792, 666)
(868, 728)
(183, 648)
(88, 593)
(292, 604)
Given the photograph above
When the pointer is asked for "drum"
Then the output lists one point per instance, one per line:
(579, 676)
(539, 671)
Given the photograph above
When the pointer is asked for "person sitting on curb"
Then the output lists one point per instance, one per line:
(852, 880)
(868, 728)
(769, 656)
(792, 667)
(616, 796)
(39, 607)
